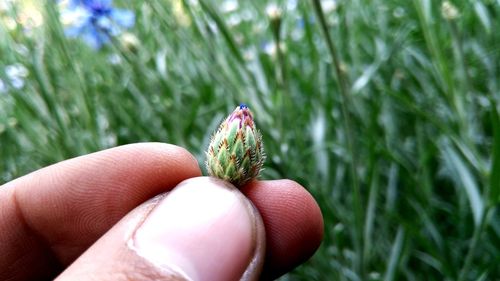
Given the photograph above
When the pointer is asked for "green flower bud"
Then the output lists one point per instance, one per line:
(235, 153)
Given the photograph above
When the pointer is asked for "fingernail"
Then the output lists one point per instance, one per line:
(204, 229)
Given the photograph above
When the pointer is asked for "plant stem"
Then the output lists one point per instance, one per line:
(344, 90)
(473, 244)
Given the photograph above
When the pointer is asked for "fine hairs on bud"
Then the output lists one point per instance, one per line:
(236, 153)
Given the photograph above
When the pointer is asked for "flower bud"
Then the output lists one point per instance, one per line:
(235, 153)
(449, 11)
(130, 42)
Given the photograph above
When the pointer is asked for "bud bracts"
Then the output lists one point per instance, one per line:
(235, 153)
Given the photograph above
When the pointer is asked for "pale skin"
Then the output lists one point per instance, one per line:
(83, 218)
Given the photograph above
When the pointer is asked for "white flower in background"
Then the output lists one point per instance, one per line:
(180, 13)
(273, 11)
(449, 11)
(249, 54)
(16, 74)
(129, 41)
(271, 49)
(248, 15)
(234, 20)
(6, 5)
(193, 3)
(26, 14)
(114, 59)
(7, 20)
(291, 5)
(30, 17)
(17, 83)
(399, 12)
(76, 17)
(12, 122)
(229, 6)
(16, 70)
(9, 23)
(329, 6)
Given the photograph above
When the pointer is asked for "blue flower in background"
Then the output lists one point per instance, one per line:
(95, 21)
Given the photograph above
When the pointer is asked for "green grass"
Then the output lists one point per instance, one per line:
(386, 111)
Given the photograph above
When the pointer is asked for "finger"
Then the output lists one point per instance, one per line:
(204, 229)
(51, 216)
(293, 223)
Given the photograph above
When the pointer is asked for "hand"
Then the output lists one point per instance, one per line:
(92, 217)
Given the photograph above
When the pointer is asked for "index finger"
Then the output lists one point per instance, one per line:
(49, 217)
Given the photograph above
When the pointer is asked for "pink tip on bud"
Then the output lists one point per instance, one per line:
(243, 115)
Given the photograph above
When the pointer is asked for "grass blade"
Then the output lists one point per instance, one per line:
(494, 188)
(465, 178)
(396, 251)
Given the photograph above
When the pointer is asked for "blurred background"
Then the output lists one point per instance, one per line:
(386, 111)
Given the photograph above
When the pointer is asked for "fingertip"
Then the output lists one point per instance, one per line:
(178, 159)
(185, 159)
(312, 219)
(293, 222)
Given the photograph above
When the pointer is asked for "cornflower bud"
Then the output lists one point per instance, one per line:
(235, 153)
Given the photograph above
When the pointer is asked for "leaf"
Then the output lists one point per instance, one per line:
(494, 190)
(367, 75)
(483, 15)
(396, 252)
(465, 178)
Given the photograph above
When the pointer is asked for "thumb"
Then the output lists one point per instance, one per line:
(204, 229)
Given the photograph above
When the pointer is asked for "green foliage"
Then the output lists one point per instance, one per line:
(385, 110)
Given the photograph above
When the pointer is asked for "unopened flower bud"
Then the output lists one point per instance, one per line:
(130, 42)
(274, 14)
(449, 11)
(235, 153)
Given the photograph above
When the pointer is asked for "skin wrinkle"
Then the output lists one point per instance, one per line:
(115, 210)
(302, 230)
(39, 239)
(84, 217)
(24, 223)
(149, 207)
(164, 268)
(143, 268)
(115, 262)
(56, 179)
(259, 236)
(124, 261)
(88, 224)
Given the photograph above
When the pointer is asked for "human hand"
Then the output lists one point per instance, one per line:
(92, 217)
